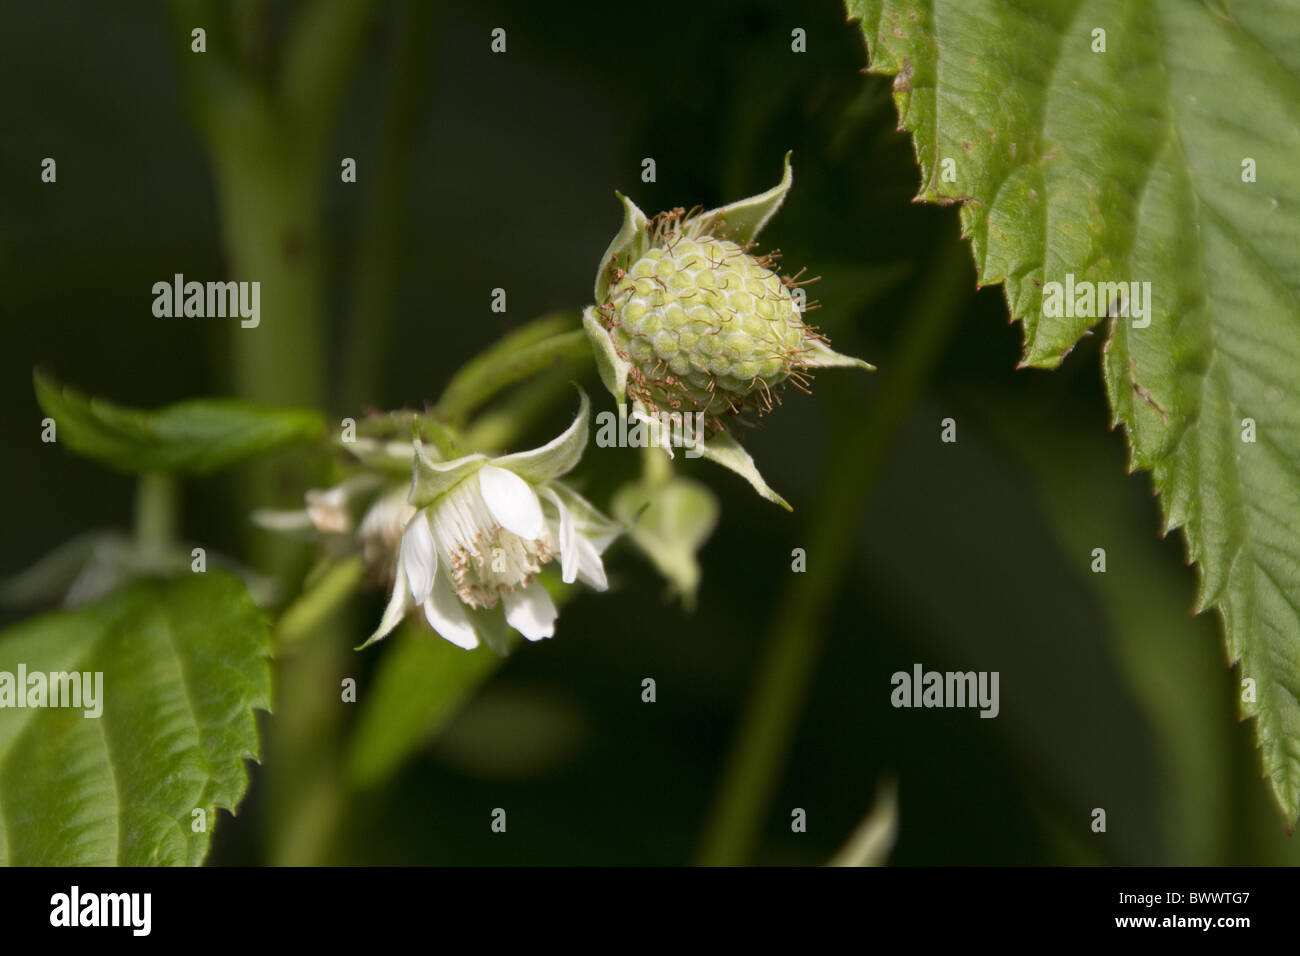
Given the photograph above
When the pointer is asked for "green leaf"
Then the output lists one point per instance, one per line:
(1130, 165)
(422, 683)
(194, 437)
(184, 665)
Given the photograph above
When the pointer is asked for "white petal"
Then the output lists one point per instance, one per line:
(530, 611)
(387, 517)
(396, 610)
(418, 557)
(512, 501)
(447, 615)
(568, 547)
(590, 568)
(328, 510)
(586, 519)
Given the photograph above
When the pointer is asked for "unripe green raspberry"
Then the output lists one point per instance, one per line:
(706, 326)
(688, 320)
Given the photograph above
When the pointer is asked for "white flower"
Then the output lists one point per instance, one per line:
(328, 511)
(381, 530)
(481, 533)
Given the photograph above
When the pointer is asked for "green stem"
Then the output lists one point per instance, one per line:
(315, 606)
(499, 367)
(498, 427)
(404, 425)
(656, 467)
(789, 659)
(155, 511)
(268, 138)
(381, 241)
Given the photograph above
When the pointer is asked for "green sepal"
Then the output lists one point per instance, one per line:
(630, 242)
(433, 479)
(744, 219)
(558, 456)
(727, 452)
(820, 355)
(612, 368)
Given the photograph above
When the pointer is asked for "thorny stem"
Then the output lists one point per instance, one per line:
(789, 659)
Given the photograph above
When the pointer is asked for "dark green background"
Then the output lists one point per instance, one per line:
(972, 555)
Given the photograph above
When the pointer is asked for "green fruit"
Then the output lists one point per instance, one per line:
(706, 326)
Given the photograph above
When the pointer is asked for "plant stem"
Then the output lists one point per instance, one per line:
(381, 241)
(656, 468)
(305, 616)
(155, 511)
(497, 427)
(789, 659)
(268, 138)
(404, 425)
(497, 368)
